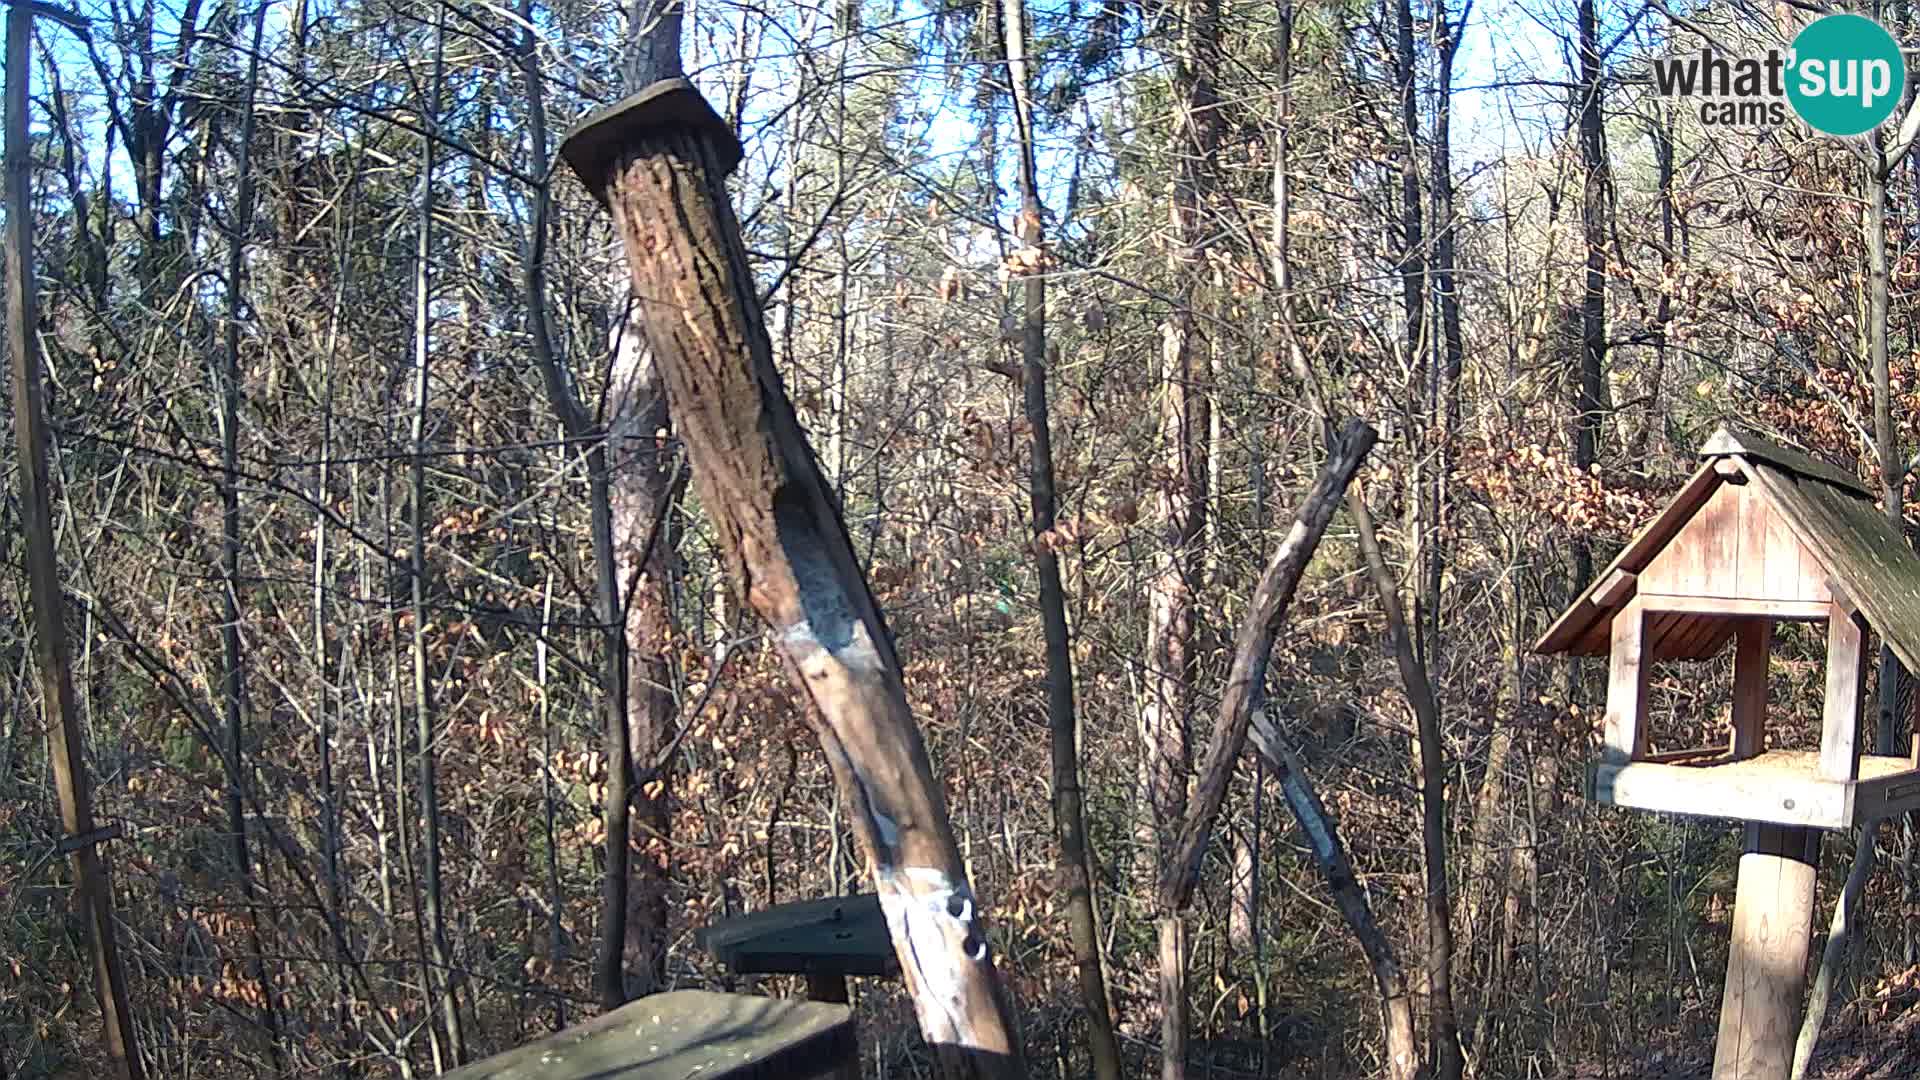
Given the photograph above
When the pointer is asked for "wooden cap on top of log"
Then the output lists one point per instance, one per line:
(594, 146)
(845, 935)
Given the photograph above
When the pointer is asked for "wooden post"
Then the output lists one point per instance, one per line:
(658, 161)
(1846, 691)
(1767, 962)
(51, 653)
(1625, 734)
(1754, 642)
(827, 986)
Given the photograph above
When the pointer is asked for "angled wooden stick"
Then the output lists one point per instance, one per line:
(1246, 681)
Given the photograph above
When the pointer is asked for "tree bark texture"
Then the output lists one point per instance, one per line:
(640, 490)
(1448, 1061)
(52, 655)
(1172, 605)
(1589, 397)
(787, 553)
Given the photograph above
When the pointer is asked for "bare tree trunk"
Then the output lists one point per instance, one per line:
(327, 700)
(641, 492)
(1245, 693)
(424, 719)
(51, 651)
(556, 926)
(233, 663)
(1330, 855)
(1840, 935)
(1413, 250)
(1450, 346)
(1447, 1058)
(659, 167)
(1589, 401)
(1886, 437)
(1172, 659)
(1069, 811)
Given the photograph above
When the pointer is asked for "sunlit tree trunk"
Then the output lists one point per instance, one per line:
(1069, 811)
(1172, 660)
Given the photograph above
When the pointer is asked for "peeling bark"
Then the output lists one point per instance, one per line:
(786, 551)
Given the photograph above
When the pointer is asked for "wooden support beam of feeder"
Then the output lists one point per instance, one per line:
(1751, 648)
(658, 161)
(1767, 958)
(1846, 691)
(1625, 733)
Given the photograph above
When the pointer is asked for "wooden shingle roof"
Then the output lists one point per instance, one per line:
(1829, 511)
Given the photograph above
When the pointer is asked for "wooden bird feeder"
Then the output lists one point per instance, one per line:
(825, 940)
(1759, 535)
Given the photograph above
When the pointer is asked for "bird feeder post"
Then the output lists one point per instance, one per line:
(1767, 956)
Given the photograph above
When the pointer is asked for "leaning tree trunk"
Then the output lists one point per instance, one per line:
(658, 162)
(1448, 1061)
(1245, 693)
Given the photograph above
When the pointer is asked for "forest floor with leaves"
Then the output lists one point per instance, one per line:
(1876, 1037)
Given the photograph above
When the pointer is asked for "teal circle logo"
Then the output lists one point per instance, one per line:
(1847, 74)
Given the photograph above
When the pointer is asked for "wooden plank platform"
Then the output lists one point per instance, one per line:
(1781, 786)
(688, 1033)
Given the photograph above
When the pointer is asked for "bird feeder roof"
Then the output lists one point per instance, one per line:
(1846, 550)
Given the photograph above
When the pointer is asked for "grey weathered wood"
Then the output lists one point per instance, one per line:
(601, 136)
(688, 1033)
(843, 935)
(1846, 690)
(1862, 553)
(1734, 440)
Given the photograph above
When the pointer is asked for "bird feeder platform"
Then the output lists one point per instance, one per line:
(825, 940)
(1784, 787)
(687, 1033)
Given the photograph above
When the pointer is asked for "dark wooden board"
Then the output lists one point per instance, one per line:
(1863, 552)
(844, 935)
(688, 1033)
(595, 144)
(1732, 439)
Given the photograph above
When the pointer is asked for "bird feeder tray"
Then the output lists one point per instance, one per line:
(687, 1033)
(839, 936)
(594, 147)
